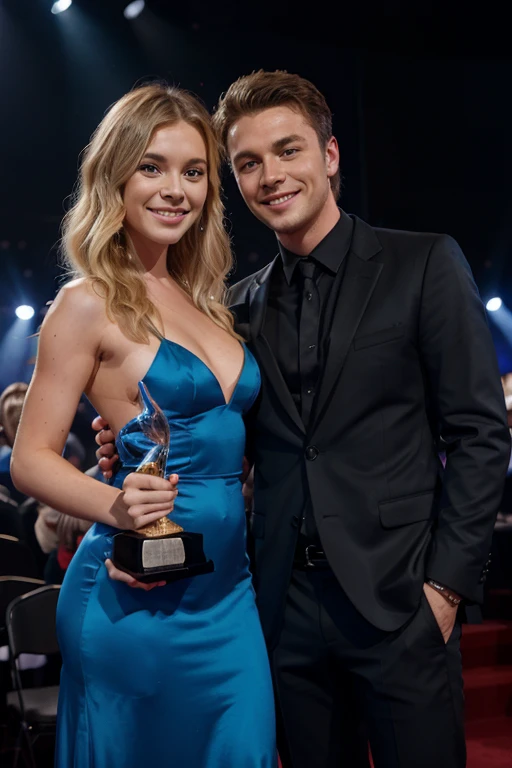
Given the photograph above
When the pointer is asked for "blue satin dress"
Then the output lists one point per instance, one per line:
(177, 677)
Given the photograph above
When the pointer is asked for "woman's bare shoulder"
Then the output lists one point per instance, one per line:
(81, 292)
(79, 299)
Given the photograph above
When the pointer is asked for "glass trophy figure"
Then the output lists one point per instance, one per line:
(160, 551)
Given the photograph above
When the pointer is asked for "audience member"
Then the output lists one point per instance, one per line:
(505, 513)
(59, 535)
(11, 404)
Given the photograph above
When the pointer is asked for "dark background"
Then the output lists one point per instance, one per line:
(420, 95)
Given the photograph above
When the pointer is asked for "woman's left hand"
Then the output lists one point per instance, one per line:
(118, 575)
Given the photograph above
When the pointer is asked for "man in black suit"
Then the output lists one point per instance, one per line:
(375, 355)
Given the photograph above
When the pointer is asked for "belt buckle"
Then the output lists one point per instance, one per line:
(309, 562)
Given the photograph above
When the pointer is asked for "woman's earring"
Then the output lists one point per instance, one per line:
(201, 227)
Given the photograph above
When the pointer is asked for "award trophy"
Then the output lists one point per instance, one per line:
(160, 551)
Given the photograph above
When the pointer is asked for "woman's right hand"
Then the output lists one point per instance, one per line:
(146, 498)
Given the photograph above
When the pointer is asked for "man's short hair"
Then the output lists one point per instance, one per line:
(261, 90)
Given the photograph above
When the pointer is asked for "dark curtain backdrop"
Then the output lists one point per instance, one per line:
(423, 130)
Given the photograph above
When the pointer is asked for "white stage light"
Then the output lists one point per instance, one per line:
(24, 312)
(493, 304)
(133, 10)
(61, 5)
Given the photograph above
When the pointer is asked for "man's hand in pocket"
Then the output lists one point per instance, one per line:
(444, 613)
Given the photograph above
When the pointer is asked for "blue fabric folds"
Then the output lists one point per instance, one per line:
(177, 677)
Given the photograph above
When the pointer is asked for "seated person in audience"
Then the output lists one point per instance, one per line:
(11, 404)
(505, 513)
(9, 522)
(58, 534)
(5, 497)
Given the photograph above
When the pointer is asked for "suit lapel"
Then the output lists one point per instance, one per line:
(357, 285)
(258, 297)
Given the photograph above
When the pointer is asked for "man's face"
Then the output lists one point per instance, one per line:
(282, 172)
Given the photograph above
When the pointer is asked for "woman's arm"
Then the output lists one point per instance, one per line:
(68, 355)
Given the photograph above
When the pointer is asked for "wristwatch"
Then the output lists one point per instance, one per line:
(448, 595)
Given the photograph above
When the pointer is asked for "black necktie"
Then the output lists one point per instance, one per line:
(308, 337)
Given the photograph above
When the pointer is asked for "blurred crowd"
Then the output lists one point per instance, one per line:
(52, 536)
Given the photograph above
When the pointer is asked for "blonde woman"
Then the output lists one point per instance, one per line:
(176, 675)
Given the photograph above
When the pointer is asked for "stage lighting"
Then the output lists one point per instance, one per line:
(133, 10)
(493, 304)
(61, 5)
(24, 312)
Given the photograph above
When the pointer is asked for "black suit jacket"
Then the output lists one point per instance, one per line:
(410, 370)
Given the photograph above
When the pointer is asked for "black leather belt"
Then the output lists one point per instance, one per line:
(310, 557)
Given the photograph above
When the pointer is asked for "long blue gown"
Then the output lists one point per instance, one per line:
(177, 677)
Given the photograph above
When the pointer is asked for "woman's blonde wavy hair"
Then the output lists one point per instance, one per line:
(94, 242)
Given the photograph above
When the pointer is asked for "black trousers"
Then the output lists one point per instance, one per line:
(339, 679)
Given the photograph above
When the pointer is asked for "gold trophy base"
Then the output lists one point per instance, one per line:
(162, 527)
(166, 557)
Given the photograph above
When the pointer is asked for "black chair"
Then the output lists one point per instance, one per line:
(10, 522)
(31, 629)
(10, 588)
(16, 559)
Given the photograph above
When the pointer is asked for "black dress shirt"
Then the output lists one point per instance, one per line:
(284, 306)
(301, 360)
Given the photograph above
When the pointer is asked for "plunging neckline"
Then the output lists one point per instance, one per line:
(227, 402)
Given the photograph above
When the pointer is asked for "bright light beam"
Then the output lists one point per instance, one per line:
(134, 9)
(17, 347)
(503, 321)
(25, 312)
(61, 5)
(494, 304)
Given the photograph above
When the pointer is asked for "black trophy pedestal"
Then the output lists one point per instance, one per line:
(160, 558)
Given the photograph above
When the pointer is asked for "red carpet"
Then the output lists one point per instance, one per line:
(490, 743)
(487, 661)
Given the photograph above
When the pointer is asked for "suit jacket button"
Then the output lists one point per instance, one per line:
(311, 452)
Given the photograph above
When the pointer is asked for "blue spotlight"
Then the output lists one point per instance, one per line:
(494, 304)
(61, 5)
(24, 312)
(134, 9)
